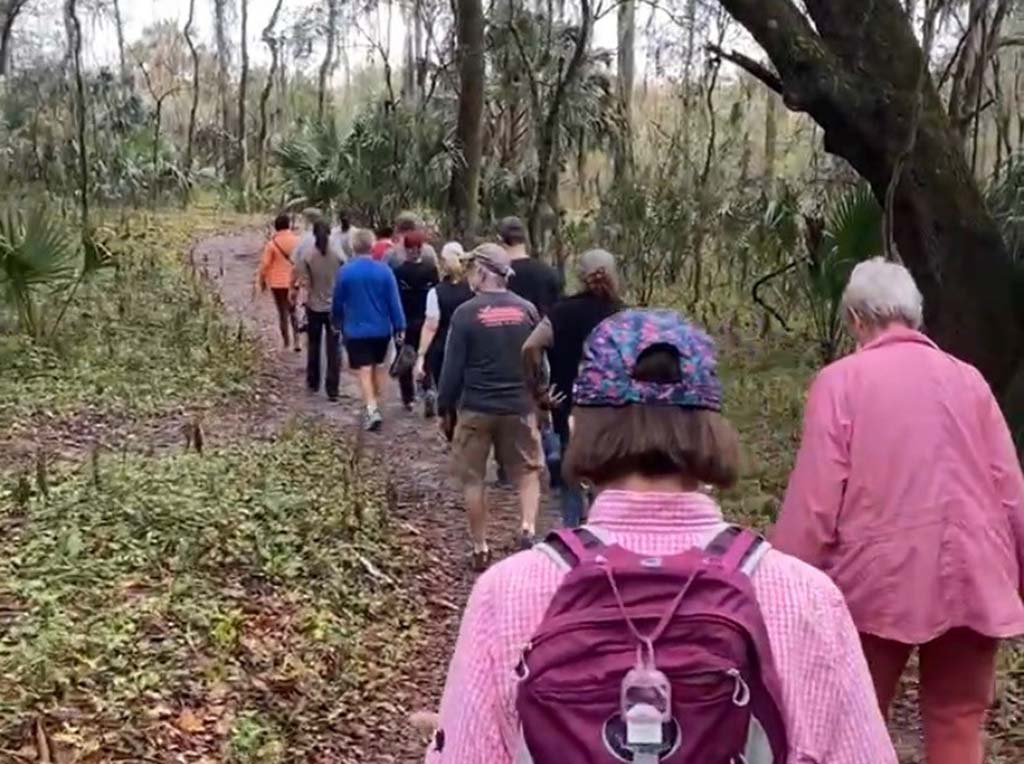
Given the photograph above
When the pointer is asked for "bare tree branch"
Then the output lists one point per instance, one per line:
(749, 65)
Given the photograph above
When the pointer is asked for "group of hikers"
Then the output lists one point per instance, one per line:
(648, 629)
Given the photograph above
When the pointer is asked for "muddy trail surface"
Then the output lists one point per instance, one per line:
(415, 457)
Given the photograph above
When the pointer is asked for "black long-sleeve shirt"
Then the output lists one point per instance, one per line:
(482, 370)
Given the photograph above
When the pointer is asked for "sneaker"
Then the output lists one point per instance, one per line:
(526, 540)
(374, 420)
(481, 560)
(430, 405)
(407, 405)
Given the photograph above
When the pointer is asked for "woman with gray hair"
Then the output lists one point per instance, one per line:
(561, 336)
(908, 492)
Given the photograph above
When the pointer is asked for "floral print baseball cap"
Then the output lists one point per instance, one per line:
(611, 353)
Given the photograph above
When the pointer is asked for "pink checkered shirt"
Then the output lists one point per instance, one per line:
(832, 716)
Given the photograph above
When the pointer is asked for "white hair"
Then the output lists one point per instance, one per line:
(880, 292)
(362, 241)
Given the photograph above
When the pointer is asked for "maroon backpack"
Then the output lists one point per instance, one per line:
(627, 636)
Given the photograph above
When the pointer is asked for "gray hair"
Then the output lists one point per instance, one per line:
(362, 241)
(880, 292)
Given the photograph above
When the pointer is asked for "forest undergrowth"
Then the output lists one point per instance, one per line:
(256, 602)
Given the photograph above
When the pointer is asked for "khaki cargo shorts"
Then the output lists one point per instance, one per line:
(515, 439)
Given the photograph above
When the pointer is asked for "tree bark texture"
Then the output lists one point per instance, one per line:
(548, 151)
(275, 61)
(220, 23)
(856, 72)
(194, 110)
(74, 26)
(11, 10)
(119, 28)
(771, 139)
(327, 65)
(243, 92)
(626, 60)
(465, 189)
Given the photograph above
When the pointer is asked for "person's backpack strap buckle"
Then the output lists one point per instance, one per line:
(738, 548)
(570, 546)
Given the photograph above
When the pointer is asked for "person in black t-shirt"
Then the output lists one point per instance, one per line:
(561, 335)
(534, 280)
(442, 302)
(416, 277)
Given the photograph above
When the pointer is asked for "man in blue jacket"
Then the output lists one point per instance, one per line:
(368, 312)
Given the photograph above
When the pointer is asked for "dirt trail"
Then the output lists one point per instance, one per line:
(415, 456)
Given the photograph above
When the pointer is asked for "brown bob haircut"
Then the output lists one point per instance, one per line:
(609, 443)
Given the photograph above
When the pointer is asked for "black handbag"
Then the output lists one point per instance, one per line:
(405, 361)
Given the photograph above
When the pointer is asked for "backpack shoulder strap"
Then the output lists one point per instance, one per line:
(738, 549)
(280, 249)
(569, 546)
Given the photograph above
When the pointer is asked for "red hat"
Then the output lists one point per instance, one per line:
(414, 239)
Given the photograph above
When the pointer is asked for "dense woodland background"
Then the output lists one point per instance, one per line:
(739, 155)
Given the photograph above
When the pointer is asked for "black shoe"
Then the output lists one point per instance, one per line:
(481, 560)
(429, 405)
(332, 398)
(526, 540)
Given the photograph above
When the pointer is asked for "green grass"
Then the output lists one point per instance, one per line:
(140, 340)
(245, 597)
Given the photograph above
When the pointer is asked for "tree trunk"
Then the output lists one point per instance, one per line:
(194, 110)
(119, 28)
(13, 9)
(626, 58)
(275, 59)
(243, 92)
(419, 56)
(867, 106)
(220, 23)
(408, 58)
(327, 66)
(548, 150)
(81, 107)
(771, 138)
(465, 189)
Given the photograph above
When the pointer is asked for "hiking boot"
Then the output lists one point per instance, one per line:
(429, 405)
(526, 540)
(374, 420)
(481, 560)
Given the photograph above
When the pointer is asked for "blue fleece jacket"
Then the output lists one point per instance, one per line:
(366, 304)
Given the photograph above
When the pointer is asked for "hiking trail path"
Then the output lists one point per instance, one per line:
(411, 450)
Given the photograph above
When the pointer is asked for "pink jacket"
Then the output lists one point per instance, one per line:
(907, 491)
(831, 713)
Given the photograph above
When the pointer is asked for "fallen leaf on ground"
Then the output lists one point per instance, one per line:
(189, 722)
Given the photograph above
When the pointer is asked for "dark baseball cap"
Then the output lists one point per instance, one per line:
(512, 231)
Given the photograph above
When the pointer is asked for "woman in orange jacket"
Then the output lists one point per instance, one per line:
(276, 273)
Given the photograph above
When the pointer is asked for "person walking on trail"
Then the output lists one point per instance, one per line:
(368, 311)
(385, 242)
(275, 273)
(316, 271)
(341, 235)
(561, 336)
(535, 280)
(784, 682)
(908, 491)
(409, 223)
(416, 277)
(483, 377)
(442, 302)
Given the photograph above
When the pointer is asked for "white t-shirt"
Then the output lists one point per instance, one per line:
(433, 306)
